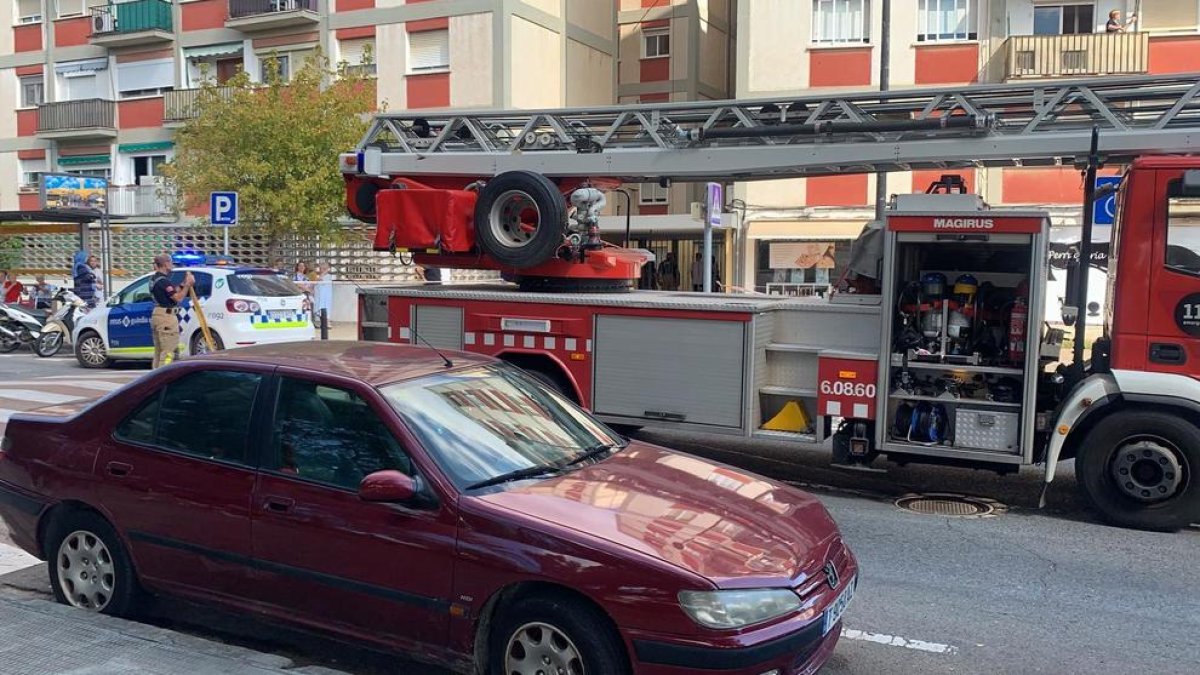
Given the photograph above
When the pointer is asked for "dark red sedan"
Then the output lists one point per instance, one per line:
(456, 511)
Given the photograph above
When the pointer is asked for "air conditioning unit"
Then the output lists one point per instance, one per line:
(103, 22)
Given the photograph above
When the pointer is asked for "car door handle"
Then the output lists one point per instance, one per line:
(279, 504)
(1169, 353)
(118, 469)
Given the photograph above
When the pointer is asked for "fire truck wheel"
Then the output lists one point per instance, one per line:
(1139, 470)
(520, 218)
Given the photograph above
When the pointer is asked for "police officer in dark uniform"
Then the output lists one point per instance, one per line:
(164, 320)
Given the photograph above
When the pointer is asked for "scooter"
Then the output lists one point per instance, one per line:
(42, 331)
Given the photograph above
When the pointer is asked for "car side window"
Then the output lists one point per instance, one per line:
(204, 281)
(138, 291)
(331, 435)
(205, 414)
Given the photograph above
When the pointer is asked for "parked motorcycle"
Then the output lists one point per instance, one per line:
(43, 331)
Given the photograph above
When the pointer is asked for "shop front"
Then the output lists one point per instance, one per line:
(799, 258)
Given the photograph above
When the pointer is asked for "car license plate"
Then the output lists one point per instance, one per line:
(280, 313)
(834, 612)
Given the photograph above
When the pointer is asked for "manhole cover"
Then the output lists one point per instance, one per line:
(955, 506)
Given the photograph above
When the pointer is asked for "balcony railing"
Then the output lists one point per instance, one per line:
(63, 116)
(240, 9)
(182, 105)
(131, 17)
(1047, 56)
(141, 201)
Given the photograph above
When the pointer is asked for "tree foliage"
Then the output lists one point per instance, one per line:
(10, 251)
(276, 143)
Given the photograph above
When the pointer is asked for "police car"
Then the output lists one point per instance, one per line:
(243, 306)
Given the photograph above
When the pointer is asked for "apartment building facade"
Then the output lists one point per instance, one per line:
(99, 88)
(805, 47)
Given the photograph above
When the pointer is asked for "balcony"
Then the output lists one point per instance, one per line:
(261, 15)
(141, 201)
(1051, 56)
(89, 118)
(132, 24)
(181, 105)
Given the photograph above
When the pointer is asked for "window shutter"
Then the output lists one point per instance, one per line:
(29, 8)
(352, 50)
(428, 50)
(142, 75)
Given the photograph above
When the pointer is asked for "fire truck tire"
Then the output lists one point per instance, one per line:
(520, 218)
(1138, 469)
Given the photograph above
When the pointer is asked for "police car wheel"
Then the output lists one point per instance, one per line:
(90, 351)
(199, 346)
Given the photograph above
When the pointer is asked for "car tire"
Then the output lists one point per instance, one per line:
(583, 639)
(90, 351)
(1140, 470)
(500, 212)
(88, 565)
(199, 347)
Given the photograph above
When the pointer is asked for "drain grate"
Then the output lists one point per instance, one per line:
(953, 506)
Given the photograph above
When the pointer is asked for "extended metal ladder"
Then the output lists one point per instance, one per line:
(988, 125)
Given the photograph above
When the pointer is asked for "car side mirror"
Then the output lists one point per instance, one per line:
(387, 486)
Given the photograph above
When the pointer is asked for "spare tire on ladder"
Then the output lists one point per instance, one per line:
(520, 218)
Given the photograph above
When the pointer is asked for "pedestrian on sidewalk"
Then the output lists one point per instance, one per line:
(668, 273)
(10, 288)
(323, 293)
(164, 320)
(94, 264)
(85, 279)
(43, 293)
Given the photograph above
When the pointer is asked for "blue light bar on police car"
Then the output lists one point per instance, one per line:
(191, 258)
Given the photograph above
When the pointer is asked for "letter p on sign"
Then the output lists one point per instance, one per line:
(223, 208)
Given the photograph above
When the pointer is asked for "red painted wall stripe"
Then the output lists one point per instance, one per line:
(140, 113)
(1171, 54)
(438, 23)
(38, 153)
(947, 64)
(351, 5)
(29, 201)
(27, 122)
(204, 14)
(23, 71)
(654, 25)
(356, 33)
(1056, 185)
(840, 67)
(27, 38)
(922, 179)
(660, 97)
(655, 70)
(145, 56)
(848, 190)
(285, 40)
(652, 209)
(72, 32)
(431, 90)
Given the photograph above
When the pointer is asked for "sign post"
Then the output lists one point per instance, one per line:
(223, 211)
(715, 202)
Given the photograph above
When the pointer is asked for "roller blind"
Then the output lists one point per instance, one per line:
(428, 50)
(146, 75)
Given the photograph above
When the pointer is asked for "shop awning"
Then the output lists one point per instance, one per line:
(90, 65)
(84, 160)
(805, 229)
(210, 51)
(146, 147)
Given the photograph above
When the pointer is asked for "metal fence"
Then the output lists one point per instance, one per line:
(1044, 56)
(239, 9)
(141, 201)
(181, 105)
(93, 113)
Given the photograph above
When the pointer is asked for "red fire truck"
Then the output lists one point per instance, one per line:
(927, 353)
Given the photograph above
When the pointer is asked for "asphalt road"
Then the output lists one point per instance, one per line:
(1025, 591)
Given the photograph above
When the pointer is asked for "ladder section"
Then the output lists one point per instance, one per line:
(988, 125)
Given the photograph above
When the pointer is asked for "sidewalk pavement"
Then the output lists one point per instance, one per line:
(38, 636)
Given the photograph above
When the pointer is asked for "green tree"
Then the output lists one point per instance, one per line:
(276, 143)
(10, 251)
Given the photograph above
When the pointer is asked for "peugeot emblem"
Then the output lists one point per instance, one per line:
(831, 575)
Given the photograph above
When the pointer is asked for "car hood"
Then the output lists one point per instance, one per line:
(732, 527)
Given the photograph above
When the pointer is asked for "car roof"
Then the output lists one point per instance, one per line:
(375, 363)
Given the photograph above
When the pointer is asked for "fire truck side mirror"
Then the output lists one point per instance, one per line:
(1191, 183)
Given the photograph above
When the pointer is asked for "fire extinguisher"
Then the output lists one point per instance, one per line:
(1016, 331)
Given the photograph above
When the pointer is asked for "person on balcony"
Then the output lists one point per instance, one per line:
(1114, 24)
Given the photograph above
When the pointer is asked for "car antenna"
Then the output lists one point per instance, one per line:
(448, 362)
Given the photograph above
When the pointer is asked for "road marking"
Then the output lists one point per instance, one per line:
(36, 396)
(897, 641)
(13, 559)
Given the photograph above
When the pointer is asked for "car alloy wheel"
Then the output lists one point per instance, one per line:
(541, 649)
(85, 570)
(92, 352)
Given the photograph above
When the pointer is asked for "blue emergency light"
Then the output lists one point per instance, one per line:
(192, 258)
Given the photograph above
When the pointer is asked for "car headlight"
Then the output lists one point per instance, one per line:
(736, 608)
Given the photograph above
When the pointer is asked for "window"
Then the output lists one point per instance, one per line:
(841, 21)
(656, 43)
(68, 8)
(1183, 232)
(147, 167)
(268, 63)
(946, 20)
(204, 281)
(29, 11)
(652, 193)
(138, 291)
(263, 285)
(331, 435)
(428, 51)
(355, 54)
(171, 420)
(104, 172)
(145, 78)
(33, 91)
(31, 173)
(1063, 19)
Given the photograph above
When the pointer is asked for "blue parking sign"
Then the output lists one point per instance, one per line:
(1104, 210)
(223, 208)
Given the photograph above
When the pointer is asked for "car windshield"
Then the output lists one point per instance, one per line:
(485, 422)
(262, 284)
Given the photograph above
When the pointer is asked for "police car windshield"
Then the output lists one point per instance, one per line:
(262, 284)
